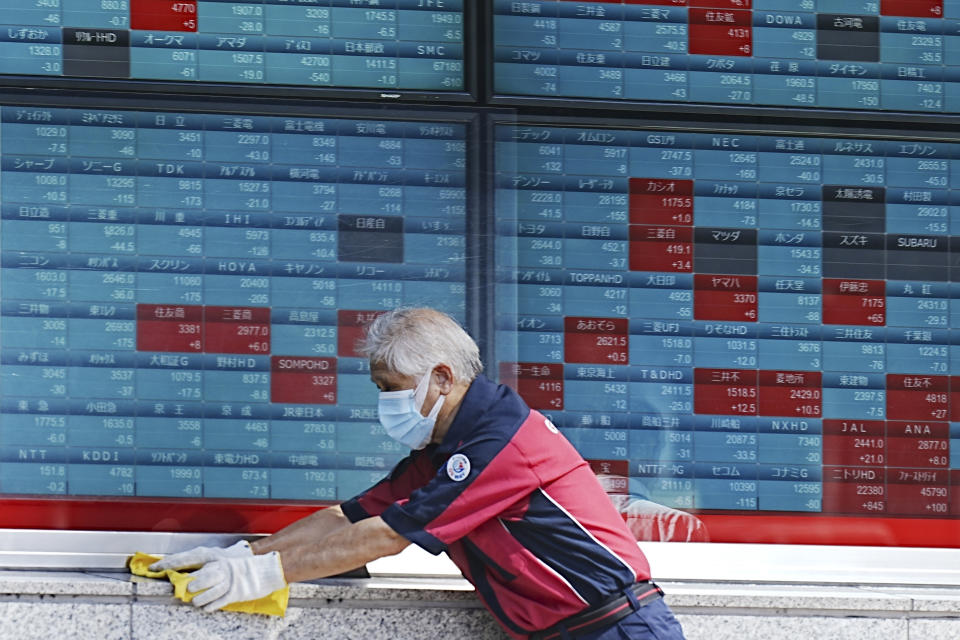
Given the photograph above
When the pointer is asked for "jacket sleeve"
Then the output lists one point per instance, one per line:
(412, 472)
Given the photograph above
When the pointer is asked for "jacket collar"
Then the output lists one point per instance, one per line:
(478, 398)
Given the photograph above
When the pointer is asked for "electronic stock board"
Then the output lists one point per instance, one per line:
(828, 384)
(183, 291)
(730, 322)
(754, 322)
(901, 55)
(385, 45)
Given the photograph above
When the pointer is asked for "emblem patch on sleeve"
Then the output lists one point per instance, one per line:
(458, 467)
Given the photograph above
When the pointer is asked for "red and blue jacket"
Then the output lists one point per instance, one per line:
(516, 508)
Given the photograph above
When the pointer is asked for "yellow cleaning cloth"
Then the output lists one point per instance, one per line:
(274, 604)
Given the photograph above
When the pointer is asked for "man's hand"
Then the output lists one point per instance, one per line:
(199, 556)
(230, 580)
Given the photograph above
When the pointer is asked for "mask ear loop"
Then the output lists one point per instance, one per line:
(420, 395)
(423, 385)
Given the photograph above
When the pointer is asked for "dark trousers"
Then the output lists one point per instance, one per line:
(654, 621)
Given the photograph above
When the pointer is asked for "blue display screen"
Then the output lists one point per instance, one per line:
(900, 55)
(738, 321)
(182, 294)
(362, 44)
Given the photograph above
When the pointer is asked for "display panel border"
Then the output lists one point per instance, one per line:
(130, 514)
(771, 122)
(749, 528)
(716, 563)
(228, 90)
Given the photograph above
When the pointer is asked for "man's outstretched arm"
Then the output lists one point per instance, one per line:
(312, 528)
(308, 554)
(315, 547)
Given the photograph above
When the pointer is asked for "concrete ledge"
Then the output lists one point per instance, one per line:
(50, 604)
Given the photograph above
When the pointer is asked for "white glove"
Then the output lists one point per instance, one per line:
(199, 556)
(230, 580)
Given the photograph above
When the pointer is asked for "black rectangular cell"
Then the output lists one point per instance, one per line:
(854, 255)
(918, 257)
(370, 238)
(954, 259)
(853, 38)
(723, 250)
(853, 208)
(97, 53)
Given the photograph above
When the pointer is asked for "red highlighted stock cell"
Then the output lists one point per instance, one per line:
(163, 15)
(303, 380)
(912, 8)
(723, 30)
(858, 302)
(791, 393)
(351, 324)
(170, 327)
(725, 297)
(596, 340)
(918, 445)
(918, 397)
(242, 330)
(661, 248)
(656, 201)
(540, 384)
(725, 391)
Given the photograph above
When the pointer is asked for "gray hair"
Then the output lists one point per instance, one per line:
(410, 341)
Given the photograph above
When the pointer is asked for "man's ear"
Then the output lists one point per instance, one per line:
(443, 376)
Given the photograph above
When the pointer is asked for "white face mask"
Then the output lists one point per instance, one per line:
(400, 414)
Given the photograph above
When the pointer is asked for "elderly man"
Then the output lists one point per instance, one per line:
(489, 481)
